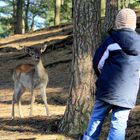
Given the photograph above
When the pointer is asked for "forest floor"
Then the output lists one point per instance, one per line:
(57, 61)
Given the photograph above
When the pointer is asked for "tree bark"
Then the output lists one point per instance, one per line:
(125, 3)
(19, 18)
(86, 32)
(57, 12)
(110, 14)
(26, 16)
(32, 23)
(14, 16)
(62, 2)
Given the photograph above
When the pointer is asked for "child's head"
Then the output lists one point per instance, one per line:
(126, 18)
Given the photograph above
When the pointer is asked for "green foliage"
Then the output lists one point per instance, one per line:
(135, 4)
(5, 26)
(130, 3)
(66, 11)
(44, 9)
(6, 18)
(37, 8)
(50, 12)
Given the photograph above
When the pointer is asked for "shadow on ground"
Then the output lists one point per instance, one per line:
(36, 125)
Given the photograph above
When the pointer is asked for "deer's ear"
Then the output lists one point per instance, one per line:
(27, 50)
(43, 48)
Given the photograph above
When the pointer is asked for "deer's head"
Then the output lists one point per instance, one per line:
(35, 53)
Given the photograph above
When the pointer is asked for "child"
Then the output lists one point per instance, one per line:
(116, 63)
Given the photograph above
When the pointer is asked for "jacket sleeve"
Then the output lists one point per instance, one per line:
(101, 56)
(99, 53)
(96, 59)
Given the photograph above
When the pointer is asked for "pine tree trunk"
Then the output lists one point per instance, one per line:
(57, 12)
(14, 16)
(125, 3)
(26, 16)
(19, 18)
(110, 14)
(86, 30)
(32, 24)
(122, 3)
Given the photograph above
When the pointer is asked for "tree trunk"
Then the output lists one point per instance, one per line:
(125, 3)
(62, 2)
(110, 14)
(57, 12)
(86, 32)
(19, 18)
(26, 16)
(14, 16)
(32, 23)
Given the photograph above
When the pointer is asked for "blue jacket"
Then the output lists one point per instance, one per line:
(117, 64)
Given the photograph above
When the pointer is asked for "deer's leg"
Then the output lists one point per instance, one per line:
(13, 106)
(32, 102)
(22, 90)
(17, 93)
(44, 97)
(14, 99)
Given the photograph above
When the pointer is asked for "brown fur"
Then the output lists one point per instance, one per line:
(24, 68)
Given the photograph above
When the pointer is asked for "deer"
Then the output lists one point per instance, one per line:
(30, 76)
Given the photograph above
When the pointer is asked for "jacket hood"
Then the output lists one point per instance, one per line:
(128, 40)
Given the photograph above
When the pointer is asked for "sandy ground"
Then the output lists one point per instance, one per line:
(41, 127)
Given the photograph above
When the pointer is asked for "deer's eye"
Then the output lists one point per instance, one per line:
(32, 53)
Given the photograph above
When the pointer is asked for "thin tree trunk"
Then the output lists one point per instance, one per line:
(23, 26)
(14, 16)
(19, 17)
(86, 32)
(62, 2)
(32, 23)
(110, 14)
(26, 16)
(57, 12)
(125, 3)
